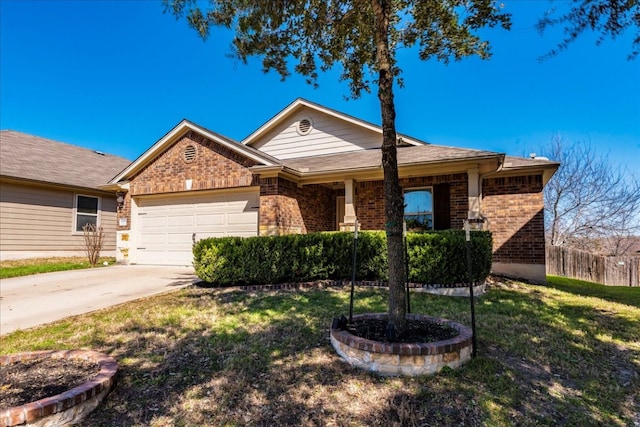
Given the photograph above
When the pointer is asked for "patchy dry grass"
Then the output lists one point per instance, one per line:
(25, 267)
(211, 357)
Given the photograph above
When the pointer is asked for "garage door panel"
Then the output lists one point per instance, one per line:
(181, 220)
(151, 223)
(217, 208)
(180, 239)
(242, 218)
(153, 239)
(207, 234)
(210, 219)
(166, 226)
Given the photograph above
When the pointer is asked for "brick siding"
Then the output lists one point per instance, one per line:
(515, 209)
(286, 208)
(215, 167)
(370, 199)
(124, 211)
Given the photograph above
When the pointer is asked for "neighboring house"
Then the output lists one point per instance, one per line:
(48, 191)
(312, 169)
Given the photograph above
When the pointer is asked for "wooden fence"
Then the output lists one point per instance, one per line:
(613, 271)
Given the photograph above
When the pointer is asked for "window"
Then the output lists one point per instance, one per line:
(86, 211)
(418, 208)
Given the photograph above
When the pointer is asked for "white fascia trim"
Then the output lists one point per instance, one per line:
(299, 103)
(174, 134)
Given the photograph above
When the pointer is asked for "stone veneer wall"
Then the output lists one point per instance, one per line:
(286, 208)
(370, 199)
(515, 209)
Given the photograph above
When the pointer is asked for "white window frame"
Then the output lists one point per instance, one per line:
(74, 226)
(405, 213)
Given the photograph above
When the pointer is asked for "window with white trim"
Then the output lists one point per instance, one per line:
(86, 211)
(418, 208)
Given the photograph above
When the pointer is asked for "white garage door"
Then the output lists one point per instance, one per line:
(168, 227)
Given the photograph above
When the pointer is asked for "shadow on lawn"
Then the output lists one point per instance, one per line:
(267, 361)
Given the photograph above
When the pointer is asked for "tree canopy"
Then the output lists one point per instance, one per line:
(362, 38)
(312, 36)
(607, 18)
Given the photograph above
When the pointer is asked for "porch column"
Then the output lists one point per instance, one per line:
(474, 193)
(349, 208)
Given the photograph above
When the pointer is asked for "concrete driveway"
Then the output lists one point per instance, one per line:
(42, 298)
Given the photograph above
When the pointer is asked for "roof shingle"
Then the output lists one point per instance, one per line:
(33, 158)
(372, 158)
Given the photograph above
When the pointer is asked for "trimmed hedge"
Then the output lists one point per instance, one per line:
(434, 257)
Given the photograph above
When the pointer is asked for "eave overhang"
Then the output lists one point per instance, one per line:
(545, 168)
(484, 164)
(52, 185)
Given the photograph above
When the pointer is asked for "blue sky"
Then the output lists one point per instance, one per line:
(116, 76)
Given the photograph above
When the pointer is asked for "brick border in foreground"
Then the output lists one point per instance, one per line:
(67, 407)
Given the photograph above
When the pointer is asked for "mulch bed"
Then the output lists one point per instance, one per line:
(31, 380)
(418, 331)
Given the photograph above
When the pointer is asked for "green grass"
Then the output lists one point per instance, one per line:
(621, 294)
(27, 267)
(208, 357)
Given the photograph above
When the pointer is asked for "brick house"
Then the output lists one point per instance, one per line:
(310, 169)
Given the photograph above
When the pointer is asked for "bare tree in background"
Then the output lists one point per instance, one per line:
(93, 241)
(590, 203)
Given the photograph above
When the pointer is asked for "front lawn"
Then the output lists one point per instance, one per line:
(211, 357)
(622, 294)
(25, 267)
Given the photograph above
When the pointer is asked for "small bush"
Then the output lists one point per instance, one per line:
(440, 257)
(434, 257)
(93, 241)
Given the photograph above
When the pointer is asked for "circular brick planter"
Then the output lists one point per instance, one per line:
(410, 359)
(68, 407)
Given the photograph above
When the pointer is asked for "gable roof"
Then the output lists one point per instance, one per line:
(178, 132)
(32, 158)
(301, 103)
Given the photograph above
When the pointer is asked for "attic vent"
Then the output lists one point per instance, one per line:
(189, 153)
(304, 126)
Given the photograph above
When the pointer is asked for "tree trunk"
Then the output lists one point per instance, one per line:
(394, 202)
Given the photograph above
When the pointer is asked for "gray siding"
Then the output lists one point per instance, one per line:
(40, 219)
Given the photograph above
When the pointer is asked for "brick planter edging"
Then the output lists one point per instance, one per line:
(67, 407)
(404, 358)
(457, 290)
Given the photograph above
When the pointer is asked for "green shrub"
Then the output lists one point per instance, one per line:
(434, 257)
(440, 257)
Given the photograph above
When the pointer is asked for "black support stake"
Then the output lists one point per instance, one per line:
(353, 270)
(470, 272)
(406, 266)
